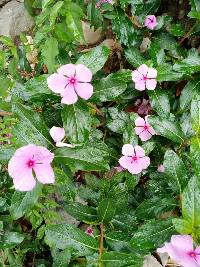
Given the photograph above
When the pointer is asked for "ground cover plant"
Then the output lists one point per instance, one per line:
(100, 148)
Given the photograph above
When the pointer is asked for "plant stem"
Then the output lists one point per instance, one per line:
(101, 243)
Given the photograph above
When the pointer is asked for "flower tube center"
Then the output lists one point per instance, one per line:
(192, 254)
(30, 163)
(134, 158)
(145, 78)
(72, 80)
(146, 127)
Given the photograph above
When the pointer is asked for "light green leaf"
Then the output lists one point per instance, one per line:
(160, 102)
(95, 58)
(134, 57)
(49, 53)
(117, 259)
(106, 210)
(54, 11)
(189, 92)
(166, 73)
(195, 114)
(11, 240)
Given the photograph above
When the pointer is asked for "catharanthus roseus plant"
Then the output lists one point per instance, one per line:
(99, 135)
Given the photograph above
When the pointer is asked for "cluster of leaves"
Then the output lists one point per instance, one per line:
(131, 215)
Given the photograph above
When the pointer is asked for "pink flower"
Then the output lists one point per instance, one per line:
(29, 159)
(143, 129)
(134, 159)
(144, 77)
(161, 168)
(89, 231)
(57, 134)
(181, 250)
(71, 81)
(119, 168)
(150, 22)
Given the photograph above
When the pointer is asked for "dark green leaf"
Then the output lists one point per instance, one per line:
(191, 89)
(195, 114)
(117, 259)
(106, 210)
(134, 57)
(49, 53)
(160, 102)
(11, 240)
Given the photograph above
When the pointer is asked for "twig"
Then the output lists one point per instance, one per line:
(4, 113)
(98, 111)
(101, 243)
(187, 34)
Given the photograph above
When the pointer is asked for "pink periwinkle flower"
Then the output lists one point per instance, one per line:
(29, 162)
(161, 168)
(144, 129)
(182, 251)
(144, 77)
(134, 159)
(57, 134)
(89, 231)
(150, 22)
(71, 81)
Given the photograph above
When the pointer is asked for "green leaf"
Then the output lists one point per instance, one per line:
(189, 65)
(191, 203)
(166, 73)
(144, 8)
(49, 53)
(167, 128)
(118, 241)
(134, 57)
(107, 89)
(95, 58)
(106, 210)
(117, 259)
(90, 157)
(195, 154)
(189, 92)
(160, 102)
(22, 203)
(64, 236)
(175, 171)
(6, 153)
(195, 114)
(11, 240)
(152, 234)
(61, 258)
(77, 122)
(54, 11)
(31, 128)
(182, 226)
(118, 121)
(82, 213)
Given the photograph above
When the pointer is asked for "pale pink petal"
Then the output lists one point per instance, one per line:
(135, 168)
(57, 133)
(61, 144)
(151, 84)
(152, 73)
(83, 74)
(25, 151)
(139, 121)
(144, 162)
(184, 242)
(198, 257)
(150, 22)
(67, 70)
(44, 173)
(161, 168)
(139, 151)
(56, 83)
(138, 130)
(84, 90)
(69, 96)
(145, 135)
(43, 155)
(128, 150)
(143, 69)
(24, 180)
(16, 164)
(162, 250)
(197, 250)
(151, 130)
(136, 76)
(125, 162)
(140, 85)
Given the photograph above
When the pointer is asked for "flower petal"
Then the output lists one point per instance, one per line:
(184, 242)
(61, 144)
(44, 173)
(84, 90)
(125, 161)
(151, 130)
(69, 96)
(24, 180)
(144, 162)
(128, 150)
(145, 135)
(43, 155)
(83, 74)
(67, 70)
(139, 151)
(57, 83)
(136, 76)
(143, 69)
(135, 168)
(152, 73)
(139, 121)
(57, 133)
(138, 130)
(140, 85)
(151, 84)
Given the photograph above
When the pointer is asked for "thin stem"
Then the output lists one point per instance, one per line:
(187, 34)
(101, 244)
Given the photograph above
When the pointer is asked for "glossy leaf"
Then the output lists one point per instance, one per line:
(49, 53)
(160, 102)
(191, 89)
(106, 210)
(117, 259)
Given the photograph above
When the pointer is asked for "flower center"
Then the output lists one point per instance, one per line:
(134, 158)
(72, 80)
(30, 163)
(146, 127)
(192, 254)
(90, 231)
(145, 78)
